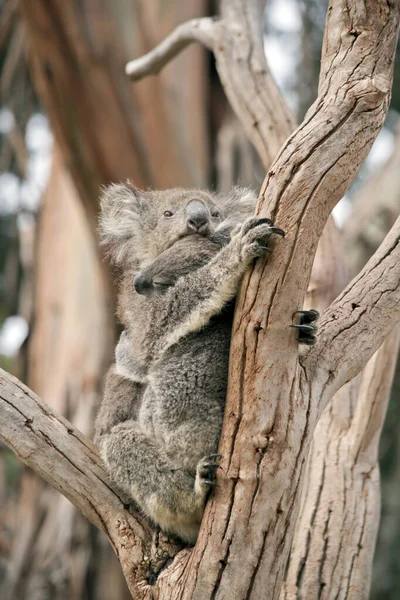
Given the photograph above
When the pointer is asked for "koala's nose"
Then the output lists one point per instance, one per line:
(196, 216)
(142, 285)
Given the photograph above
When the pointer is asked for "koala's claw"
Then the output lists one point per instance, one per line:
(278, 231)
(207, 470)
(307, 327)
(256, 221)
(208, 483)
(255, 234)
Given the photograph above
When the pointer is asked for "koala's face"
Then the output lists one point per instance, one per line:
(140, 225)
(176, 214)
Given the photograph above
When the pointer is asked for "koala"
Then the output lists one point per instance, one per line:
(182, 254)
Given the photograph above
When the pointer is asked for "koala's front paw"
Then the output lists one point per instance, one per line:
(206, 471)
(307, 326)
(254, 235)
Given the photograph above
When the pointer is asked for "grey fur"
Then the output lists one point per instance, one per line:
(160, 420)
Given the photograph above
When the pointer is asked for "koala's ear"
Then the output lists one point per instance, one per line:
(121, 209)
(239, 204)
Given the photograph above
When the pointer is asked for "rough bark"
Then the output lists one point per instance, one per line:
(357, 322)
(333, 548)
(42, 439)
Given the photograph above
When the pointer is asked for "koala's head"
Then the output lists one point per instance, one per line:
(138, 226)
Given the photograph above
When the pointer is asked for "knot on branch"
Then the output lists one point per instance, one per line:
(367, 93)
(372, 91)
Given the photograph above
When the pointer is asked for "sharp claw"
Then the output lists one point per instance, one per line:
(207, 483)
(211, 464)
(278, 231)
(216, 456)
(307, 316)
(304, 328)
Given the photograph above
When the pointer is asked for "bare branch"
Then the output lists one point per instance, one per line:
(236, 40)
(197, 30)
(357, 322)
(68, 460)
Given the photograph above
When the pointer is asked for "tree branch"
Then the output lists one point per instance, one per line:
(68, 460)
(358, 321)
(236, 40)
(197, 30)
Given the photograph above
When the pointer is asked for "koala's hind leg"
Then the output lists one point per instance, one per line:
(173, 497)
(121, 401)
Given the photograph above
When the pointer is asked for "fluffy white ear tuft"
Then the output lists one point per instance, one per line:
(121, 208)
(239, 205)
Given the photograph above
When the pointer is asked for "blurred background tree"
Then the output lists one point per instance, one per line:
(70, 121)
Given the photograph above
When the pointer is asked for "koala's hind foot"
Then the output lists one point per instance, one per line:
(307, 326)
(165, 491)
(206, 472)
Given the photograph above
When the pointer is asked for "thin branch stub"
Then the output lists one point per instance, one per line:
(196, 30)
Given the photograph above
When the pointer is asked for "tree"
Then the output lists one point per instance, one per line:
(274, 400)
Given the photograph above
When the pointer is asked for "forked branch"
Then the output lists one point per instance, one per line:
(357, 322)
(197, 30)
(236, 41)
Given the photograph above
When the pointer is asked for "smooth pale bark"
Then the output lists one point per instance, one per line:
(236, 41)
(374, 211)
(107, 130)
(68, 350)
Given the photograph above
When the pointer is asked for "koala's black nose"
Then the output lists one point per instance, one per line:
(197, 217)
(142, 285)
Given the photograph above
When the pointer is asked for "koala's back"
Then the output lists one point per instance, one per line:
(183, 404)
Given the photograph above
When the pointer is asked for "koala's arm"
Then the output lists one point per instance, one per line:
(125, 363)
(121, 402)
(198, 296)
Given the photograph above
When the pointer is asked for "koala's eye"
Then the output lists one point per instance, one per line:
(216, 214)
(167, 213)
